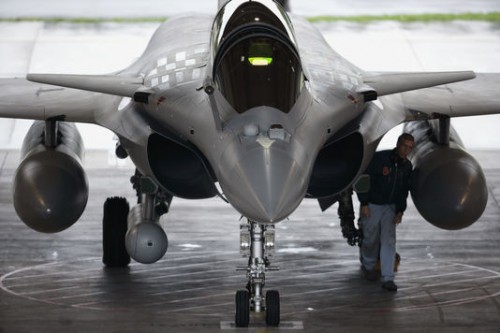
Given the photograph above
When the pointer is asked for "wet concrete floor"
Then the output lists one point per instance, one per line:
(448, 281)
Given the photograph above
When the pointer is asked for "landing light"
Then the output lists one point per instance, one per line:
(260, 61)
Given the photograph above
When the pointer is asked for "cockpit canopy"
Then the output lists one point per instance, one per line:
(255, 58)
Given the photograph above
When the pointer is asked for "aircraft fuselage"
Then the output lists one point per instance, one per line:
(262, 150)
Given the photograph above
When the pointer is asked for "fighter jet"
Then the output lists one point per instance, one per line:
(251, 105)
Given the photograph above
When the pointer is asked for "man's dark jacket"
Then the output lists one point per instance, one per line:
(389, 180)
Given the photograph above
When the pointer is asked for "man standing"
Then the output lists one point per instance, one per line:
(382, 208)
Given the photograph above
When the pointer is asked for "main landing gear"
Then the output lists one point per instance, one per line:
(114, 228)
(257, 242)
(346, 214)
(135, 233)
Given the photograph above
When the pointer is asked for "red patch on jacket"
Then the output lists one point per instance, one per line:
(385, 171)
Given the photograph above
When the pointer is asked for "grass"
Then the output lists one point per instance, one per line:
(487, 17)
(85, 20)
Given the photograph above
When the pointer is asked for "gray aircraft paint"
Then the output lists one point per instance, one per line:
(264, 173)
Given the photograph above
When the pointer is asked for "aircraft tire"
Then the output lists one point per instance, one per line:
(242, 317)
(272, 308)
(114, 228)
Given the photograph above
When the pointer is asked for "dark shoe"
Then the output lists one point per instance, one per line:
(370, 275)
(390, 286)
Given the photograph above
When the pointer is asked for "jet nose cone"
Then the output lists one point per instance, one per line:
(266, 185)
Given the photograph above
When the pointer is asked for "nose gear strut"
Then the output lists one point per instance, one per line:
(257, 242)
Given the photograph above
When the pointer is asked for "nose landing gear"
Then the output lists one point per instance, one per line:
(257, 242)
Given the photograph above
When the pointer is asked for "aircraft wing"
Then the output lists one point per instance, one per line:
(408, 96)
(22, 99)
(479, 96)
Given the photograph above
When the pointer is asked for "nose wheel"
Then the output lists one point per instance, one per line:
(257, 242)
(272, 308)
(242, 317)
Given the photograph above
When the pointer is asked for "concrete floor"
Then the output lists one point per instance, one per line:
(448, 281)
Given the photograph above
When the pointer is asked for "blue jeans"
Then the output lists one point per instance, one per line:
(379, 238)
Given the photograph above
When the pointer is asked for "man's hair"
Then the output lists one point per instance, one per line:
(405, 137)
